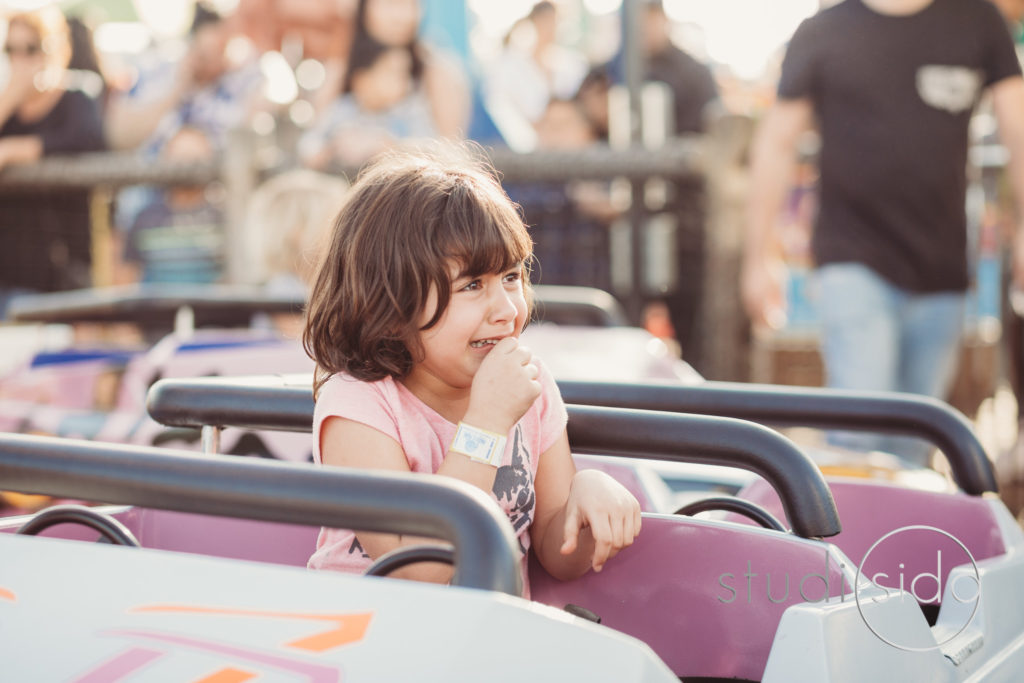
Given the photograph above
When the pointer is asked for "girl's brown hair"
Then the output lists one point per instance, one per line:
(406, 220)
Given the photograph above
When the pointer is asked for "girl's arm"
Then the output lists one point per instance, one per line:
(507, 371)
(346, 443)
(583, 518)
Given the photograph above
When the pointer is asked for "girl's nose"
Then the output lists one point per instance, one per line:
(502, 305)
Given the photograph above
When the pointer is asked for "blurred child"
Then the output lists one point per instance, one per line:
(288, 221)
(287, 225)
(414, 323)
(179, 237)
(569, 222)
(378, 107)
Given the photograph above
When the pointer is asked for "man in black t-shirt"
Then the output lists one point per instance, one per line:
(891, 86)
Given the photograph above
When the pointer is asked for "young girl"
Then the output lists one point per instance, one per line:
(414, 324)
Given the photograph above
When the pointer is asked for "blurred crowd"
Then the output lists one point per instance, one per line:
(325, 85)
(331, 83)
(321, 86)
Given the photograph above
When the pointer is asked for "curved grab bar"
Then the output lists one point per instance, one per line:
(263, 402)
(574, 305)
(909, 414)
(269, 403)
(726, 441)
(153, 305)
(486, 549)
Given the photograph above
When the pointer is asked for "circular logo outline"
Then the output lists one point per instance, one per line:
(860, 567)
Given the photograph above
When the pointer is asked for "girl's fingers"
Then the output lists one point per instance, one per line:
(570, 533)
(617, 529)
(601, 530)
(628, 530)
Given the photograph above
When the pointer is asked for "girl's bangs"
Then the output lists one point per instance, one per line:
(484, 237)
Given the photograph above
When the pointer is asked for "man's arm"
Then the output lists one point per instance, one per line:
(773, 162)
(1008, 105)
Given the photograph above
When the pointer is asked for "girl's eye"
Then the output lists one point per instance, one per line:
(513, 276)
(472, 286)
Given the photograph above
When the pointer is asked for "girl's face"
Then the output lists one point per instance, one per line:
(481, 309)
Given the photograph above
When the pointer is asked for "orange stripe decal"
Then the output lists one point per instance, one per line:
(351, 629)
(7, 595)
(228, 676)
(347, 628)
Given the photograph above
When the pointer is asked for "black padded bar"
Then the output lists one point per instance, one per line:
(657, 435)
(155, 305)
(265, 402)
(152, 305)
(269, 403)
(907, 414)
(588, 306)
(296, 493)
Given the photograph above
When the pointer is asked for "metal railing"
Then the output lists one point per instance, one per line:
(693, 161)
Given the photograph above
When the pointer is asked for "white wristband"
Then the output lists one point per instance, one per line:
(479, 444)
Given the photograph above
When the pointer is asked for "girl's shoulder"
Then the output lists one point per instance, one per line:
(347, 396)
(374, 403)
(344, 388)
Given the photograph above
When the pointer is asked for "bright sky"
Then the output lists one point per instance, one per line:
(743, 34)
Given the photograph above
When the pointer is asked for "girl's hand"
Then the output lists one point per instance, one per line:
(599, 503)
(504, 387)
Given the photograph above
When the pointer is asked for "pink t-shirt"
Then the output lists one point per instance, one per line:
(386, 405)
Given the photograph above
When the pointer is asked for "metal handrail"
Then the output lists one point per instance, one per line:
(156, 305)
(271, 403)
(676, 158)
(486, 550)
(907, 414)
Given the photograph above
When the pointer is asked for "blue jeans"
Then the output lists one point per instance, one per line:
(878, 337)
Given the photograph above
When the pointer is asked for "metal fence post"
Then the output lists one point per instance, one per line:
(239, 174)
(725, 336)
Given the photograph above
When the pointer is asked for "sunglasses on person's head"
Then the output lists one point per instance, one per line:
(30, 50)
